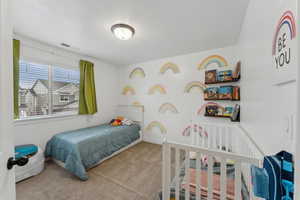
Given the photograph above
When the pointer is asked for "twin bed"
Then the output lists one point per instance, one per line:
(79, 150)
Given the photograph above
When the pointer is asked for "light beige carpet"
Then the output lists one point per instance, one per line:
(132, 175)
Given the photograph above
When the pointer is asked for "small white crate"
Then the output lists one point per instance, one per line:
(34, 167)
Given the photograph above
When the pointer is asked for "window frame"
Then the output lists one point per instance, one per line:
(50, 114)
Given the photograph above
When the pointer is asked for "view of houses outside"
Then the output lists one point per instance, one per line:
(36, 90)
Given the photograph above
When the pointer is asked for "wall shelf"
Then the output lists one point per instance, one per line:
(222, 99)
(223, 82)
(223, 92)
(222, 116)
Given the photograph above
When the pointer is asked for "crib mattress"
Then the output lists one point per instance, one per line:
(203, 182)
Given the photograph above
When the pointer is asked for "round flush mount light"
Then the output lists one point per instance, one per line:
(123, 31)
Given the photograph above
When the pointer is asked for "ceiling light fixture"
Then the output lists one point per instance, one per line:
(123, 31)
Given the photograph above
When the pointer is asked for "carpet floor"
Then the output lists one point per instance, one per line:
(135, 174)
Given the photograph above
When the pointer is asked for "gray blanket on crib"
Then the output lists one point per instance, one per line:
(82, 149)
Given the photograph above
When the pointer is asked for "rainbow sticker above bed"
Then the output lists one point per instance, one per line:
(137, 72)
(202, 108)
(214, 59)
(167, 107)
(194, 84)
(169, 66)
(136, 103)
(156, 124)
(286, 19)
(157, 88)
(128, 90)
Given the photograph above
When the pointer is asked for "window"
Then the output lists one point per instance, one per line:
(64, 98)
(46, 90)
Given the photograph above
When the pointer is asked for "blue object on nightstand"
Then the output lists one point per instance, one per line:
(25, 150)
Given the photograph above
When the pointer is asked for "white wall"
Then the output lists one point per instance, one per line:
(186, 103)
(7, 177)
(265, 106)
(106, 80)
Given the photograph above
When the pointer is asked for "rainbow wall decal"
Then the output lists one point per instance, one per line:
(128, 90)
(156, 124)
(157, 88)
(193, 84)
(286, 19)
(137, 72)
(197, 128)
(136, 103)
(167, 107)
(169, 66)
(219, 60)
(202, 108)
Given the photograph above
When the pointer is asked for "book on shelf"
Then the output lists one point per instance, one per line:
(236, 112)
(211, 93)
(223, 76)
(236, 93)
(225, 92)
(210, 76)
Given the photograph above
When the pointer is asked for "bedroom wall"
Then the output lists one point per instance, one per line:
(268, 108)
(106, 80)
(174, 84)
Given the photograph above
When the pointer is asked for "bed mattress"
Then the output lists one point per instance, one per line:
(84, 148)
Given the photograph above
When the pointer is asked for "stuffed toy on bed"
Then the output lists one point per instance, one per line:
(119, 121)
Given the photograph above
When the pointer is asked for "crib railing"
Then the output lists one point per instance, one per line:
(210, 144)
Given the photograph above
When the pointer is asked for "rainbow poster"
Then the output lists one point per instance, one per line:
(213, 59)
(128, 90)
(194, 84)
(156, 124)
(137, 72)
(169, 66)
(157, 88)
(287, 19)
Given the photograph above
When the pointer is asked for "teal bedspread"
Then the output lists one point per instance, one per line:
(83, 148)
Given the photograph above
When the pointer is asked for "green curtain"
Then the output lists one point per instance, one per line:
(16, 58)
(87, 96)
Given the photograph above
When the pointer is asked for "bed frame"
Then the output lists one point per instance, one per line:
(224, 142)
(133, 112)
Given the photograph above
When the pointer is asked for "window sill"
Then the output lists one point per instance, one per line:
(29, 120)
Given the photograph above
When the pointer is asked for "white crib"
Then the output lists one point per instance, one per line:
(210, 144)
